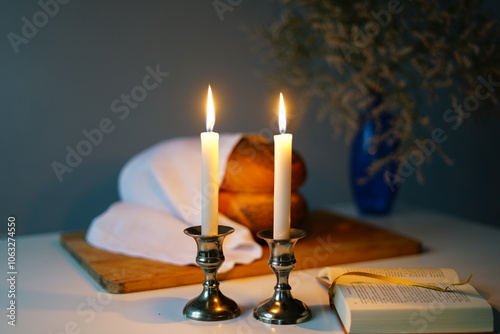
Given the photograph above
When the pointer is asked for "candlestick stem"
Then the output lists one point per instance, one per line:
(282, 308)
(211, 304)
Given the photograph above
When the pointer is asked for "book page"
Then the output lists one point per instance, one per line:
(417, 275)
(377, 294)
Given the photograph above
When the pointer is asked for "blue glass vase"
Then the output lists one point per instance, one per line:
(373, 194)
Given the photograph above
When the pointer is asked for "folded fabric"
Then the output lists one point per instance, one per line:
(160, 192)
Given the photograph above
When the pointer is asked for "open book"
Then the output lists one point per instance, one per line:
(369, 305)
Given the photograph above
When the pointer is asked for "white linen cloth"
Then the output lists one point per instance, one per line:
(160, 192)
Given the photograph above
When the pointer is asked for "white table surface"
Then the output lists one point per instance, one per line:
(55, 295)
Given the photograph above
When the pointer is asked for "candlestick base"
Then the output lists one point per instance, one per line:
(282, 308)
(211, 304)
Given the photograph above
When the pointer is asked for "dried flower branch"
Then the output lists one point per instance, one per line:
(410, 52)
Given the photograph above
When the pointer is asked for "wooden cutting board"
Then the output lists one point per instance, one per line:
(331, 240)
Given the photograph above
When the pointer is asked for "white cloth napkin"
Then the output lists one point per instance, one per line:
(160, 191)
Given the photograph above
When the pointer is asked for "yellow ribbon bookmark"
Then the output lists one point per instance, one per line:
(395, 280)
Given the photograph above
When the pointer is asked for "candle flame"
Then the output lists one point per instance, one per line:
(210, 111)
(282, 115)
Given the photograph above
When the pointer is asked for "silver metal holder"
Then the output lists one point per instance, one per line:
(282, 308)
(211, 304)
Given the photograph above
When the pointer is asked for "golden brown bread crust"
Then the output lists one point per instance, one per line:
(246, 194)
(250, 166)
(255, 210)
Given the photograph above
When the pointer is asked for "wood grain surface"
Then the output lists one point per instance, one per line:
(331, 239)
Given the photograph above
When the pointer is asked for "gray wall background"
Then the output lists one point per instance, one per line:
(65, 78)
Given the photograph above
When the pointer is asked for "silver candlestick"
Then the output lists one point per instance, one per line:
(282, 308)
(211, 304)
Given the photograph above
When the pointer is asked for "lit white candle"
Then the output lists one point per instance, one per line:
(282, 177)
(210, 171)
